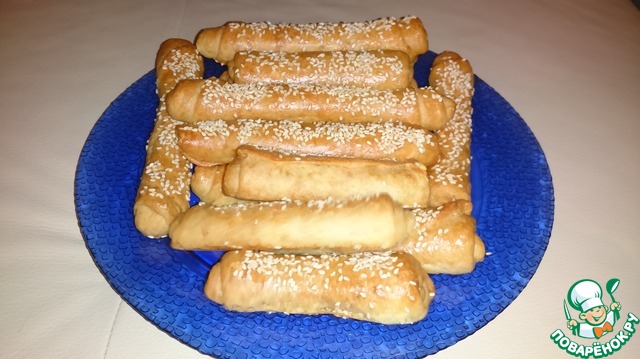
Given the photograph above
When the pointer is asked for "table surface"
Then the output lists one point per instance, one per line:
(570, 68)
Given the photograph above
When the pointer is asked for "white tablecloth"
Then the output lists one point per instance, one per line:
(570, 68)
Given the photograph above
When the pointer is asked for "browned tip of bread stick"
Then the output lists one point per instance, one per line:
(171, 45)
(416, 37)
(436, 110)
(452, 76)
(176, 60)
(406, 34)
(150, 221)
(209, 43)
(443, 239)
(369, 224)
(183, 100)
(385, 287)
(206, 183)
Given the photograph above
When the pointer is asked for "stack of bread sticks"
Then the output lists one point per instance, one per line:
(333, 182)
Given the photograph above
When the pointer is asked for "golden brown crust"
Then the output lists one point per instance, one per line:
(201, 100)
(177, 60)
(452, 76)
(210, 143)
(443, 239)
(269, 176)
(379, 69)
(163, 192)
(388, 288)
(405, 34)
(375, 223)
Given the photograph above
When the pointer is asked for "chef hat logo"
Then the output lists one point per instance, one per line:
(585, 294)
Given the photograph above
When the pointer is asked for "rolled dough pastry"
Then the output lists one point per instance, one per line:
(386, 287)
(215, 142)
(270, 176)
(163, 192)
(370, 224)
(452, 76)
(379, 69)
(211, 99)
(221, 43)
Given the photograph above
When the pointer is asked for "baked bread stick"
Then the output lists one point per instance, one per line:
(221, 43)
(201, 100)
(378, 69)
(386, 287)
(452, 76)
(270, 176)
(376, 223)
(163, 192)
(215, 142)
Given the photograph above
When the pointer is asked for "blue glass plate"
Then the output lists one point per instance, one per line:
(513, 204)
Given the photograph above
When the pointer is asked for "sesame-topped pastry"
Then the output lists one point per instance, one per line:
(384, 287)
(452, 76)
(443, 239)
(210, 143)
(379, 69)
(206, 183)
(368, 224)
(406, 34)
(177, 60)
(164, 186)
(200, 100)
(269, 176)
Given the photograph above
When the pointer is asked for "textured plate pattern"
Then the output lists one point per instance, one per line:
(513, 203)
